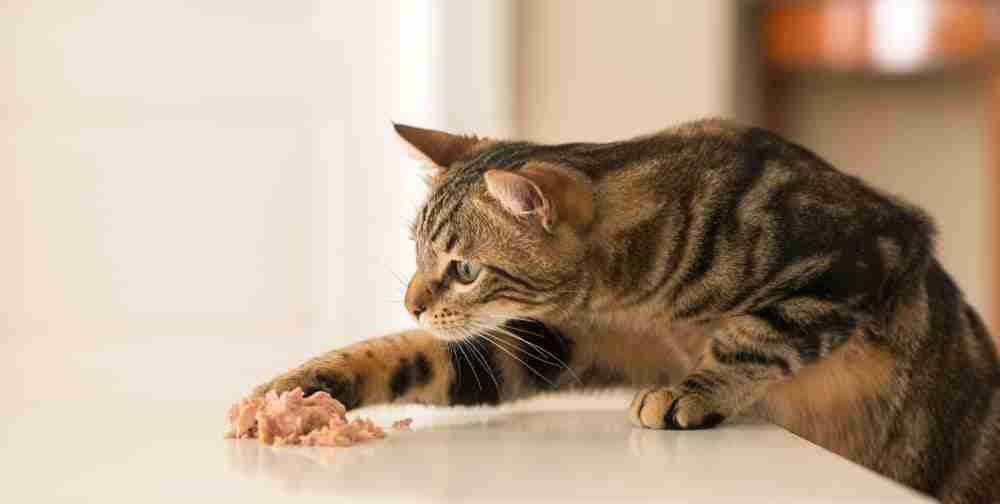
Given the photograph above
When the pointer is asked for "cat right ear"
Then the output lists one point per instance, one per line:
(435, 147)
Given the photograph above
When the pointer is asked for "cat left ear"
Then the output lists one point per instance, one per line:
(553, 193)
(520, 196)
(436, 147)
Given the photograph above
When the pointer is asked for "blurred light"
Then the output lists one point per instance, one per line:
(901, 33)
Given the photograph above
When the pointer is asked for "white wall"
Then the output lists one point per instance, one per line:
(225, 167)
(435, 63)
(157, 155)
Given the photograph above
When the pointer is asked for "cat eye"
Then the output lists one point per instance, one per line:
(465, 271)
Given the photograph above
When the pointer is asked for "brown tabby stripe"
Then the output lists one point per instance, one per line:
(514, 280)
(710, 253)
(419, 222)
(744, 355)
(444, 218)
(505, 292)
(812, 335)
(432, 209)
(699, 383)
(491, 295)
(640, 252)
(674, 254)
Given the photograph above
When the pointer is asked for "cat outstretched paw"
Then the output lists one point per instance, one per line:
(672, 408)
(334, 378)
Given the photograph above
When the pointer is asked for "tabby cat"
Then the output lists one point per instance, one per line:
(720, 269)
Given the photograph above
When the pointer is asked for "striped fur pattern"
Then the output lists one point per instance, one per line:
(718, 269)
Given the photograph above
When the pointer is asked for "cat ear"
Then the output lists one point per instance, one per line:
(519, 195)
(436, 147)
(552, 192)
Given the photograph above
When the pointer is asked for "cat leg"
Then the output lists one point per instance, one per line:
(746, 354)
(518, 361)
(411, 365)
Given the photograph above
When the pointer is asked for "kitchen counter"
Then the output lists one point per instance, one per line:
(123, 431)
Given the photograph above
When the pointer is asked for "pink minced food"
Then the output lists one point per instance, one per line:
(403, 424)
(291, 418)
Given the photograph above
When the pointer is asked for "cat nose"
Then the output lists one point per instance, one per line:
(417, 295)
(415, 308)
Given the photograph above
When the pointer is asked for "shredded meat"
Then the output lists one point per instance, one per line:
(403, 424)
(291, 418)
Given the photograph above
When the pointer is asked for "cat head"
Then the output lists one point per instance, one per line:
(502, 234)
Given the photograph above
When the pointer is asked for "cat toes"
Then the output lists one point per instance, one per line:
(669, 408)
(635, 410)
(339, 382)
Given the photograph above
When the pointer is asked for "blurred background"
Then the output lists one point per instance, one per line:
(221, 172)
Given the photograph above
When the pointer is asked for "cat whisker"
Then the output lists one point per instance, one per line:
(397, 276)
(542, 352)
(482, 359)
(485, 335)
(534, 346)
(461, 348)
(557, 361)
(452, 356)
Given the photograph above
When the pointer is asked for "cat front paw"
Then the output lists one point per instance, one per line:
(334, 378)
(672, 408)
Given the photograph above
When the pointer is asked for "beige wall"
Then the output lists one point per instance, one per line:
(601, 70)
(922, 139)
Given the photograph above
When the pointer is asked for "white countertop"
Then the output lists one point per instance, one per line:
(122, 432)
